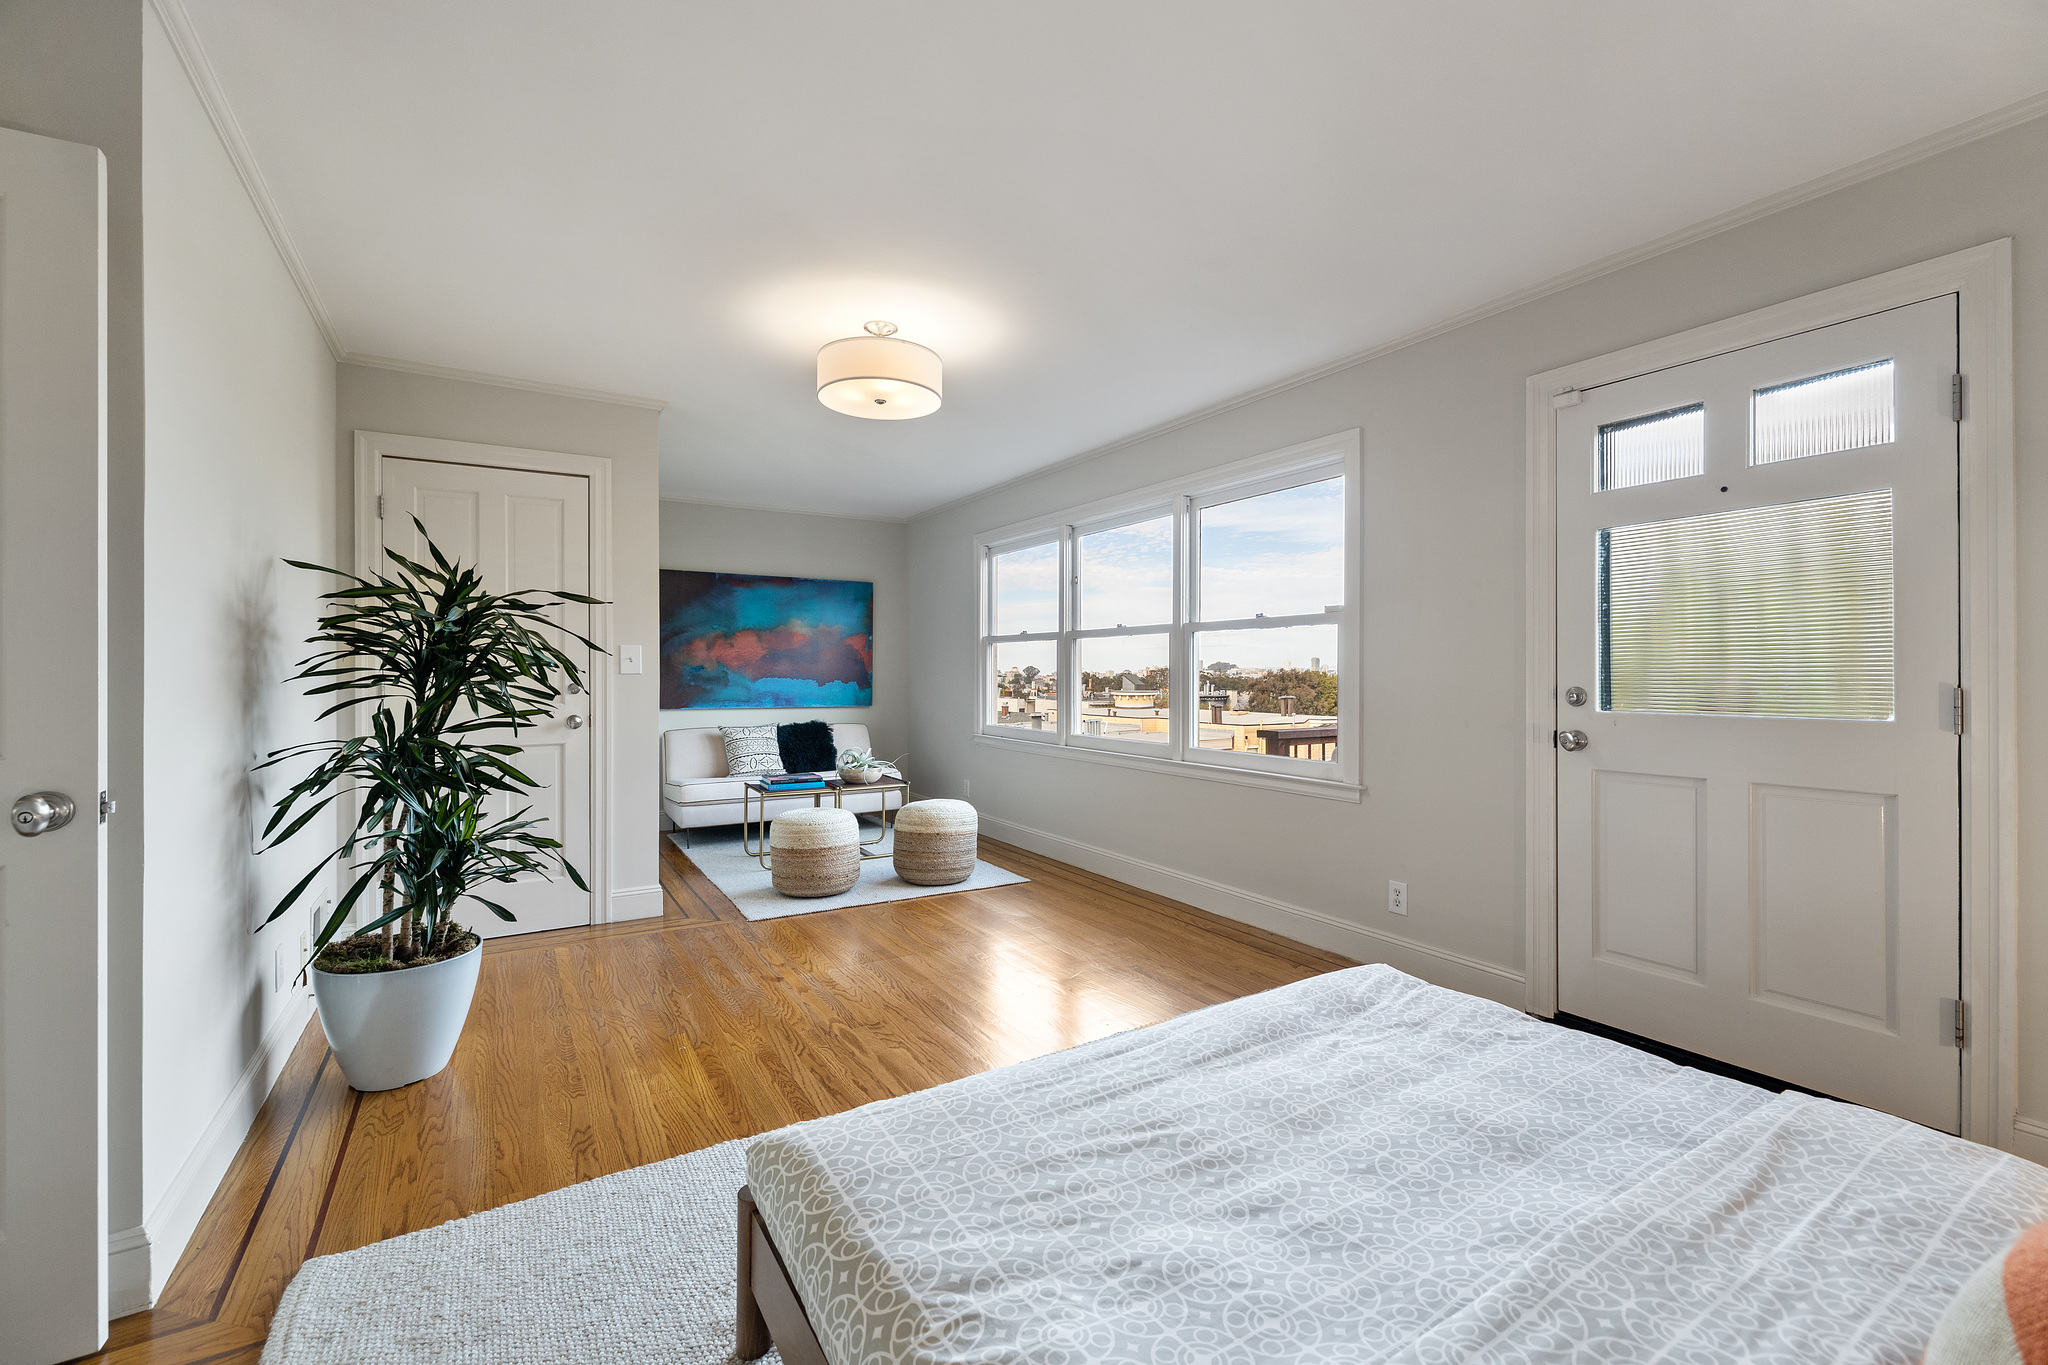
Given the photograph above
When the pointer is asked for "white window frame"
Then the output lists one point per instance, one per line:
(1182, 499)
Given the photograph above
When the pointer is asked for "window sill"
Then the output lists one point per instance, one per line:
(1237, 777)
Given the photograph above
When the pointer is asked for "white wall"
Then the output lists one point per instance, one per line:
(238, 432)
(715, 539)
(458, 410)
(72, 69)
(1442, 594)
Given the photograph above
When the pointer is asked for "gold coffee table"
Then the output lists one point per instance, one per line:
(756, 847)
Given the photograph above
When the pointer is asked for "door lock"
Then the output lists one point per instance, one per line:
(1571, 741)
(41, 812)
(1575, 696)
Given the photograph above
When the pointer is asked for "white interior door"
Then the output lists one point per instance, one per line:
(527, 530)
(1758, 600)
(53, 912)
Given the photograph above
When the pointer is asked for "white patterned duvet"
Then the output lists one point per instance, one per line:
(1364, 1167)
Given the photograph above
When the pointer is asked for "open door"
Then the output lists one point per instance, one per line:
(53, 908)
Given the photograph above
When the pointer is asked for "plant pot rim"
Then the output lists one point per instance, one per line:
(476, 947)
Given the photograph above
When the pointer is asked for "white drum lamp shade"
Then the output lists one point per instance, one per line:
(879, 376)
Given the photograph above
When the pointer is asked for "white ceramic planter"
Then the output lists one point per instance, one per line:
(389, 1029)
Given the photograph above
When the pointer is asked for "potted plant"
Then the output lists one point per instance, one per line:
(861, 766)
(429, 662)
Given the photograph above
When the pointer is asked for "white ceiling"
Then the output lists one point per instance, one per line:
(1103, 216)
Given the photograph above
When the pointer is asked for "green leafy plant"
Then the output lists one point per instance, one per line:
(437, 661)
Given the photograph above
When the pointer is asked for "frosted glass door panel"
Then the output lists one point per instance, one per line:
(1764, 611)
(1846, 410)
(1652, 449)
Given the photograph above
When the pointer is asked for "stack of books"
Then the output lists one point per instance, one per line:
(790, 782)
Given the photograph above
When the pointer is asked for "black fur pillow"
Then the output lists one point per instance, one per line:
(806, 747)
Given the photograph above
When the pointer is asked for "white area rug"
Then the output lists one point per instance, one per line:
(634, 1267)
(719, 855)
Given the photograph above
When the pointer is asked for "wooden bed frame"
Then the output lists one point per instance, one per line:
(770, 1313)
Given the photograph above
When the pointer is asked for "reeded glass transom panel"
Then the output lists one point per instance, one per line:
(1126, 575)
(1651, 449)
(1027, 590)
(1766, 611)
(1846, 410)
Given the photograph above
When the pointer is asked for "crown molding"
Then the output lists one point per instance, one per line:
(199, 70)
(788, 511)
(502, 381)
(1984, 125)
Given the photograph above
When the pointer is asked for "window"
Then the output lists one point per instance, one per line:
(1206, 624)
(1663, 445)
(1762, 611)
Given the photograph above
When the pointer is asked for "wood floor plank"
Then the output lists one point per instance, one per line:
(594, 1050)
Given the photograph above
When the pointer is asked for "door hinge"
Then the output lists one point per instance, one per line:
(1958, 1018)
(380, 507)
(1955, 399)
(1958, 712)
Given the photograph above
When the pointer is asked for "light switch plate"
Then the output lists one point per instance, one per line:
(629, 658)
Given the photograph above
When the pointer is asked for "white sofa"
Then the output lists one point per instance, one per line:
(697, 792)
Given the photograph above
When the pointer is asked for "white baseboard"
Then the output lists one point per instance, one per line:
(127, 1272)
(1303, 925)
(635, 902)
(2030, 1138)
(171, 1223)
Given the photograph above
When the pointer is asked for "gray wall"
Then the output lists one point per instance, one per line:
(1442, 595)
(237, 420)
(369, 399)
(697, 535)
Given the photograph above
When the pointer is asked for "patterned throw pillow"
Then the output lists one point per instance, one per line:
(2000, 1317)
(751, 750)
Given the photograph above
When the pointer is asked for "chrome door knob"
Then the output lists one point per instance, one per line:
(1571, 741)
(41, 812)
(574, 722)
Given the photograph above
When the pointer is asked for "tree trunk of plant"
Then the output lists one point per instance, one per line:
(390, 885)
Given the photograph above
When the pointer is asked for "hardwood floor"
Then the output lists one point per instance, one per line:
(592, 1050)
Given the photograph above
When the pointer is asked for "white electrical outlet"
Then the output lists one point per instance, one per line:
(1397, 898)
(629, 658)
(965, 789)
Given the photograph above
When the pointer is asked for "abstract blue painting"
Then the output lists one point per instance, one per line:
(736, 640)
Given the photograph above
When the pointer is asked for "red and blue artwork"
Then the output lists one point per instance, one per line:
(748, 640)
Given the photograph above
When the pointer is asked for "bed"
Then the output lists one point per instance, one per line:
(1361, 1166)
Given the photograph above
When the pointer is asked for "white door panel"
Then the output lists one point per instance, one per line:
(526, 530)
(1758, 847)
(53, 1089)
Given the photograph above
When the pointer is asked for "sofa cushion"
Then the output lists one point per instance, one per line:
(806, 747)
(697, 752)
(751, 750)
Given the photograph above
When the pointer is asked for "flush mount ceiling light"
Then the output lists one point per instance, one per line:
(879, 375)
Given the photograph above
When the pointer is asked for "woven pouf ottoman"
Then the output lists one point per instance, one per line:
(935, 842)
(814, 852)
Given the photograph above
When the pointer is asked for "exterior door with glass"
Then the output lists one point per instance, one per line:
(1759, 842)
